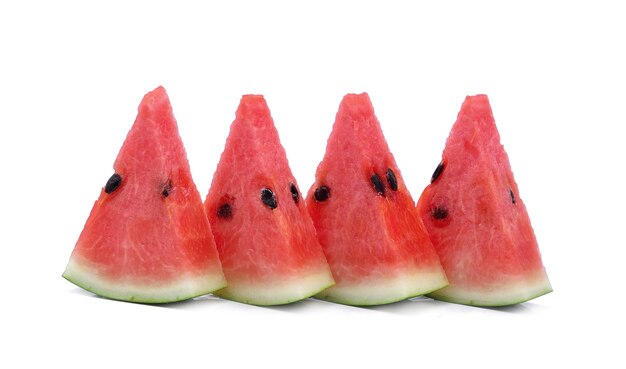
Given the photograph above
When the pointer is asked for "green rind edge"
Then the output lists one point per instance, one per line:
(140, 300)
(383, 301)
(485, 302)
(252, 300)
(395, 289)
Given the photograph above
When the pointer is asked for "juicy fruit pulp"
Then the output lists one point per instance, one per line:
(365, 218)
(477, 220)
(147, 238)
(264, 235)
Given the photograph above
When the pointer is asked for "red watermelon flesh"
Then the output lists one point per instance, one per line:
(147, 238)
(477, 220)
(365, 217)
(264, 235)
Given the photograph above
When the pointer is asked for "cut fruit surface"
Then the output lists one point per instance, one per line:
(365, 218)
(264, 235)
(147, 238)
(477, 219)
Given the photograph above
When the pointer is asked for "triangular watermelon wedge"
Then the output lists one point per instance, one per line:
(264, 235)
(477, 220)
(147, 238)
(365, 217)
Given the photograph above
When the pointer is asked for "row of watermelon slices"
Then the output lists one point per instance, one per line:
(357, 238)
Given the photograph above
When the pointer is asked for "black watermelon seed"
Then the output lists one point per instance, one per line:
(294, 192)
(391, 179)
(268, 198)
(322, 193)
(512, 195)
(167, 188)
(437, 172)
(224, 211)
(439, 212)
(378, 184)
(113, 183)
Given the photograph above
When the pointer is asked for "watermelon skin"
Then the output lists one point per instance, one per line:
(376, 245)
(485, 241)
(270, 255)
(148, 240)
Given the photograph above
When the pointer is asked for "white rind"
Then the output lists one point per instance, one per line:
(385, 291)
(278, 293)
(185, 287)
(502, 293)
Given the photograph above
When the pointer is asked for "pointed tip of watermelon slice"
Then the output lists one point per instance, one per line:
(477, 97)
(475, 126)
(156, 95)
(251, 107)
(356, 105)
(155, 103)
(476, 106)
(356, 121)
(154, 129)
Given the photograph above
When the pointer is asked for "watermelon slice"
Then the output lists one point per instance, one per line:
(147, 238)
(477, 220)
(365, 218)
(264, 235)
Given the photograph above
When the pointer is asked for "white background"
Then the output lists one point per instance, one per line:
(72, 75)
